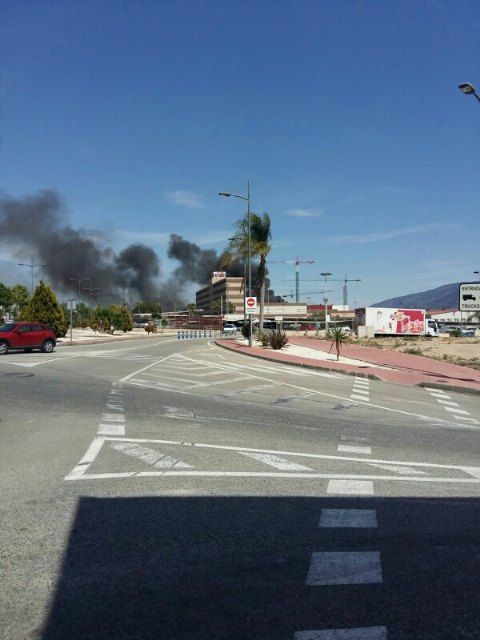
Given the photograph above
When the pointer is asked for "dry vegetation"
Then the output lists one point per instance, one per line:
(463, 351)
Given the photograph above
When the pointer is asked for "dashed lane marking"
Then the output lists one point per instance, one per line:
(344, 567)
(350, 487)
(348, 518)
(359, 633)
(451, 406)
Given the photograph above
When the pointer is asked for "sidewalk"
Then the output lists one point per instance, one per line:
(379, 364)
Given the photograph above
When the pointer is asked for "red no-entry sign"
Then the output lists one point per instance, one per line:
(250, 304)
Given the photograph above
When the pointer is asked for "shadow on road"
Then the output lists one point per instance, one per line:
(222, 568)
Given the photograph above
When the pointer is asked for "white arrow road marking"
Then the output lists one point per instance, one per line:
(276, 461)
(150, 456)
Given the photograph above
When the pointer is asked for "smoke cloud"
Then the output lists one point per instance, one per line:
(35, 228)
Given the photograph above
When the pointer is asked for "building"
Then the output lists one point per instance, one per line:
(222, 295)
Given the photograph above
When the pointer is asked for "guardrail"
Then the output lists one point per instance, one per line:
(189, 334)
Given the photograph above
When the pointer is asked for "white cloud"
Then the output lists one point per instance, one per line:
(185, 199)
(390, 235)
(303, 213)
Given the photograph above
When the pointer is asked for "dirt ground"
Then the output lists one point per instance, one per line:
(464, 351)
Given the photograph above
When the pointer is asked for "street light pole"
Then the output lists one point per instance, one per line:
(249, 252)
(325, 274)
(31, 267)
(79, 280)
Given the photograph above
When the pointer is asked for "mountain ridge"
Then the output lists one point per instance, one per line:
(443, 297)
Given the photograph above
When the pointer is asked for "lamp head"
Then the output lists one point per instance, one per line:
(466, 87)
(225, 193)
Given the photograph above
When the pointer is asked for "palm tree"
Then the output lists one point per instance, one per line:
(339, 338)
(237, 251)
(260, 235)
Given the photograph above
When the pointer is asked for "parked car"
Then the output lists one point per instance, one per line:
(230, 329)
(26, 336)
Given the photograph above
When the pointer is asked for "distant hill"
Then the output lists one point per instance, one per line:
(444, 297)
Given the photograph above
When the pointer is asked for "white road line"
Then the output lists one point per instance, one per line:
(353, 487)
(348, 518)
(276, 461)
(348, 448)
(358, 633)
(344, 567)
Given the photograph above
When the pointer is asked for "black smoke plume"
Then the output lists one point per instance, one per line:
(35, 228)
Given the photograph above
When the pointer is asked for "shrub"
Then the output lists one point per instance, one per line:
(264, 338)
(277, 339)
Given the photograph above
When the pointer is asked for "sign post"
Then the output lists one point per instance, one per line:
(469, 297)
(251, 304)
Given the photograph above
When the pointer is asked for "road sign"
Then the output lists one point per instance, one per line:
(469, 295)
(250, 304)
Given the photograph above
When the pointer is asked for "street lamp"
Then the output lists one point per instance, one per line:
(79, 280)
(325, 274)
(92, 290)
(477, 273)
(31, 267)
(468, 89)
(227, 194)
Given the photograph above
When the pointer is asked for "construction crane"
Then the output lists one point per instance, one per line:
(297, 264)
(345, 291)
(345, 286)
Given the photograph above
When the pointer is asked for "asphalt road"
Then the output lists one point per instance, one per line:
(172, 490)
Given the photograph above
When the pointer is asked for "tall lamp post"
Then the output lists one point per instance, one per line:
(31, 267)
(325, 274)
(477, 273)
(93, 290)
(227, 194)
(79, 280)
(469, 90)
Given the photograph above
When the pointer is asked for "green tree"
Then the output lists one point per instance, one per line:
(122, 320)
(44, 307)
(6, 298)
(21, 298)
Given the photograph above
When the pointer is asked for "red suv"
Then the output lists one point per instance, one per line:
(26, 336)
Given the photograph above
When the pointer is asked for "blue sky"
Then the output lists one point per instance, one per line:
(345, 117)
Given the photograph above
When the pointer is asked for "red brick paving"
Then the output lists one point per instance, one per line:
(403, 368)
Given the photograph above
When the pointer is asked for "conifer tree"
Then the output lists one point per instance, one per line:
(44, 307)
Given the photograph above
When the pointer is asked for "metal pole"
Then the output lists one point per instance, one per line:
(250, 321)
